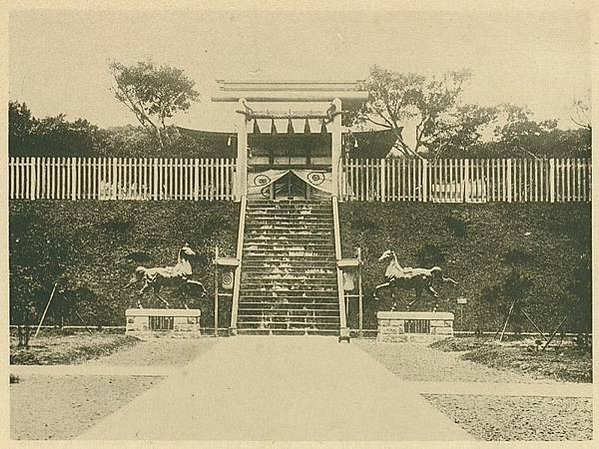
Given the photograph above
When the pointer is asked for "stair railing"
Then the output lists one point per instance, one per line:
(237, 282)
(343, 330)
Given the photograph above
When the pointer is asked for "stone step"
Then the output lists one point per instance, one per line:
(289, 332)
(288, 232)
(291, 319)
(288, 240)
(291, 245)
(330, 304)
(289, 215)
(286, 258)
(283, 252)
(293, 264)
(269, 228)
(293, 295)
(276, 273)
(283, 311)
(287, 218)
(288, 275)
(253, 290)
(270, 326)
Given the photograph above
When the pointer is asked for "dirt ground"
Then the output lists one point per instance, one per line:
(158, 352)
(495, 418)
(492, 417)
(53, 349)
(61, 407)
(419, 362)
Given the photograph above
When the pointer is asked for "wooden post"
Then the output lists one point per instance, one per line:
(45, 310)
(552, 180)
(242, 154)
(467, 193)
(336, 147)
(424, 181)
(509, 180)
(73, 175)
(360, 295)
(507, 319)
(216, 292)
(383, 178)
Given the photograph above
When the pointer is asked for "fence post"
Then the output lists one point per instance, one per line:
(383, 178)
(509, 180)
(30, 180)
(552, 180)
(424, 181)
(467, 192)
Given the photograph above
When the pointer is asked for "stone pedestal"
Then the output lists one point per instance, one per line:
(414, 326)
(155, 323)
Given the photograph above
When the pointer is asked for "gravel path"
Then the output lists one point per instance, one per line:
(158, 352)
(62, 401)
(418, 362)
(494, 418)
(485, 401)
(61, 407)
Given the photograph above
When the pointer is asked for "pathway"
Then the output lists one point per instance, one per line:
(280, 388)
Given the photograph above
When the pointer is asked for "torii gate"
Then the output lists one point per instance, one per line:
(246, 92)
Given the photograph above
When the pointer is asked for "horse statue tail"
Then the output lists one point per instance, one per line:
(437, 273)
(138, 275)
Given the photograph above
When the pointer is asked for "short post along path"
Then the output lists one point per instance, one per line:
(280, 388)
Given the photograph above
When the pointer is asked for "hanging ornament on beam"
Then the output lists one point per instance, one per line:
(289, 126)
(256, 129)
(307, 129)
(273, 127)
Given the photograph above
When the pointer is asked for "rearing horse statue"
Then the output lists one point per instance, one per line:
(408, 278)
(156, 278)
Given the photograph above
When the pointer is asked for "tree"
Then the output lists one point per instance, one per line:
(50, 136)
(432, 103)
(519, 134)
(153, 94)
(582, 113)
(20, 126)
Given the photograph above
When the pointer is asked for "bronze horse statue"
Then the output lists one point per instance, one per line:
(409, 278)
(175, 276)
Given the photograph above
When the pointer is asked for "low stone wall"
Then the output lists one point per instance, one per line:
(154, 323)
(396, 327)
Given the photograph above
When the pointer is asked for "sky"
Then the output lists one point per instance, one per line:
(58, 59)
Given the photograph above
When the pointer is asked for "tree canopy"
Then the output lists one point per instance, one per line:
(433, 103)
(153, 93)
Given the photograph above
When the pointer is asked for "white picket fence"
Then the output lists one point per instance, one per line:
(467, 180)
(443, 180)
(121, 178)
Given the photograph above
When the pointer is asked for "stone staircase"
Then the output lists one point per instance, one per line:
(288, 282)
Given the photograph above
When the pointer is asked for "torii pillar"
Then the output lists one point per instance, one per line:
(242, 152)
(336, 147)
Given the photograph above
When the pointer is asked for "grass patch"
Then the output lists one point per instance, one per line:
(69, 349)
(564, 363)
(461, 344)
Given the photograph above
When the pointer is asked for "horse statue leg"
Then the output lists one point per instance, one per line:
(378, 287)
(435, 296)
(156, 291)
